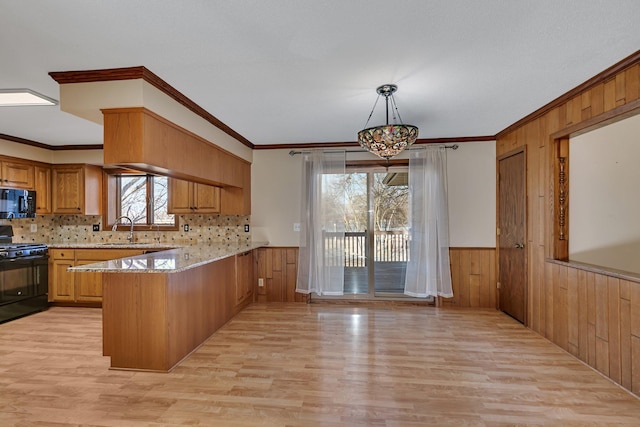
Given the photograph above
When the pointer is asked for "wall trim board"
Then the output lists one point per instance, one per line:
(49, 147)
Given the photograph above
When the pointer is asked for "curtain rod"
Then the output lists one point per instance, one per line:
(294, 152)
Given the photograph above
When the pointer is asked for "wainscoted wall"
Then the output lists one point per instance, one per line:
(472, 274)
(558, 295)
(79, 229)
(473, 278)
(278, 267)
(595, 317)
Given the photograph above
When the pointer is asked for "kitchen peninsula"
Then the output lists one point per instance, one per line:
(159, 307)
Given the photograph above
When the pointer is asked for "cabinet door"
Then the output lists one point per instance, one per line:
(244, 275)
(68, 190)
(17, 175)
(180, 199)
(88, 285)
(43, 189)
(62, 281)
(206, 198)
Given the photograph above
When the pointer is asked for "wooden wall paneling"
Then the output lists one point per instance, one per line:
(625, 343)
(613, 320)
(602, 326)
(634, 297)
(597, 99)
(633, 83)
(493, 277)
(560, 307)
(260, 272)
(548, 292)
(573, 314)
(583, 319)
(290, 260)
(591, 319)
(635, 364)
(602, 307)
(485, 279)
(610, 94)
(464, 287)
(454, 262)
(621, 87)
(586, 106)
(534, 289)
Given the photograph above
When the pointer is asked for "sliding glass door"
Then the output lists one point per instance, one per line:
(376, 240)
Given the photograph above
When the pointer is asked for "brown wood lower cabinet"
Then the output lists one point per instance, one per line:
(151, 321)
(82, 288)
(244, 276)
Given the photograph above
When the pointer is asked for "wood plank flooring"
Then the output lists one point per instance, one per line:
(310, 365)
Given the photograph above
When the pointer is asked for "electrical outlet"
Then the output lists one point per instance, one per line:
(96, 227)
(33, 228)
(296, 226)
(246, 228)
(260, 282)
(185, 227)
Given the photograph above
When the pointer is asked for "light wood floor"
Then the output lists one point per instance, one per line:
(309, 365)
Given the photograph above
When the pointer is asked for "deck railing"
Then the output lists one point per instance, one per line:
(390, 246)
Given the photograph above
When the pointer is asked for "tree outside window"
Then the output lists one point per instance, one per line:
(144, 199)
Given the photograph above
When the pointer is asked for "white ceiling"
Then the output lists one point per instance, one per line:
(297, 71)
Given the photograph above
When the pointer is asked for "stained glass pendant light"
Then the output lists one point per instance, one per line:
(387, 140)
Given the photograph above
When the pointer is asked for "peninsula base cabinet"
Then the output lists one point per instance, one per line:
(151, 321)
(244, 277)
(80, 288)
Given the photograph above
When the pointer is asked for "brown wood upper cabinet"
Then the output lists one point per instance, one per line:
(43, 189)
(191, 197)
(77, 189)
(17, 174)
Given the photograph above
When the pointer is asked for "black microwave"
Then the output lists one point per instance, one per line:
(17, 203)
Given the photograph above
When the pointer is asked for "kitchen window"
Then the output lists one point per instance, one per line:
(144, 199)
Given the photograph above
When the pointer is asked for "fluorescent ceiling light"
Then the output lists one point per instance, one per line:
(16, 97)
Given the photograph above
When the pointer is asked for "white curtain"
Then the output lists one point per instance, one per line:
(321, 255)
(428, 270)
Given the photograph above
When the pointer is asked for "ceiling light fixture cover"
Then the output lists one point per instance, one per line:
(387, 140)
(21, 97)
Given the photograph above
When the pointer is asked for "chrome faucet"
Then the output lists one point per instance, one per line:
(115, 226)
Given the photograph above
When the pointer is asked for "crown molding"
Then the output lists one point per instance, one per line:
(610, 72)
(49, 147)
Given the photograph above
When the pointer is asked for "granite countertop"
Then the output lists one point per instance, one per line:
(169, 261)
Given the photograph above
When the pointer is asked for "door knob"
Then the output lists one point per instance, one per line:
(519, 245)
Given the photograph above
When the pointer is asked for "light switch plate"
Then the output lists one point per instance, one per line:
(33, 228)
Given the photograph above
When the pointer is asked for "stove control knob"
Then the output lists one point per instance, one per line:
(19, 253)
(3, 254)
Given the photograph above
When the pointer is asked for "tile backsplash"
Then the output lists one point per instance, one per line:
(63, 229)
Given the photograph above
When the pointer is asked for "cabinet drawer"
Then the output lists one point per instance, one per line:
(61, 254)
